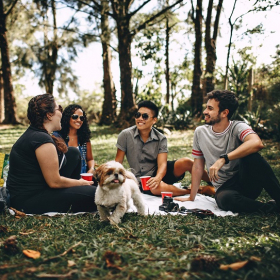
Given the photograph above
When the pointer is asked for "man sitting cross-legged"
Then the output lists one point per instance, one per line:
(146, 152)
(230, 151)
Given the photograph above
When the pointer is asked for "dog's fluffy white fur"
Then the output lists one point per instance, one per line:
(116, 186)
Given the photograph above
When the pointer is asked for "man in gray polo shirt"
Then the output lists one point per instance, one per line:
(146, 152)
(230, 151)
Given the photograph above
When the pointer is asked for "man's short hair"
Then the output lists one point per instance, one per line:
(227, 100)
(150, 105)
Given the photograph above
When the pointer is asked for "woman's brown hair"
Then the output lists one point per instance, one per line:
(38, 107)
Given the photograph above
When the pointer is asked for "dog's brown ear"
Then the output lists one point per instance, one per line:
(96, 174)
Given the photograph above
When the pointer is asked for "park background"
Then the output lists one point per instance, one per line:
(80, 51)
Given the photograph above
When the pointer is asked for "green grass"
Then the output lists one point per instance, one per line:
(150, 247)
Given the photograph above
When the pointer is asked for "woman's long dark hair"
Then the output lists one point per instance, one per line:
(83, 132)
(37, 110)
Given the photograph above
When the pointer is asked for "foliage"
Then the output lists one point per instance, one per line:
(33, 48)
(178, 119)
(149, 247)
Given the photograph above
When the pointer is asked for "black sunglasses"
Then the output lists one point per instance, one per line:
(60, 109)
(145, 116)
(75, 117)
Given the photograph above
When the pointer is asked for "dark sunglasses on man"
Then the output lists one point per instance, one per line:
(145, 116)
(75, 117)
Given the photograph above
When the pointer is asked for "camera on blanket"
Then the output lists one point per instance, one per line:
(168, 205)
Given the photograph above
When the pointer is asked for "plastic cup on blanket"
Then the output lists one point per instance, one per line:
(144, 180)
(163, 194)
(87, 176)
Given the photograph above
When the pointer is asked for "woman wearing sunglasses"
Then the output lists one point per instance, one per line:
(76, 133)
(44, 174)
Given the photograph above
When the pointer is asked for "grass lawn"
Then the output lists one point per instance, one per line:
(150, 247)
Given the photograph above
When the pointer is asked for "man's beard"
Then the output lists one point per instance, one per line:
(213, 121)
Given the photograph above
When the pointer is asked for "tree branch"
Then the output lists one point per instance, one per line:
(142, 26)
(11, 8)
(139, 8)
(192, 14)
(216, 23)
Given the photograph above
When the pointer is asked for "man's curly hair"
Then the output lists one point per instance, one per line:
(227, 100)
(84, 131)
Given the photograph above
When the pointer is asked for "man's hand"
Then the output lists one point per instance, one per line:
(153, 182)
(183, 198)
(213, 170)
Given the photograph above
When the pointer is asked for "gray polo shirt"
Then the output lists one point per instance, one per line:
(209, 145)
(142, 157)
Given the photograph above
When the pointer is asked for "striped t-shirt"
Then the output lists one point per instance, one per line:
(210, 145)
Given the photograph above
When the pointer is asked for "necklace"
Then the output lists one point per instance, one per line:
(72, 138)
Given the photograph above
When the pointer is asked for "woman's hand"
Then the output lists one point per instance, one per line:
(85, 182)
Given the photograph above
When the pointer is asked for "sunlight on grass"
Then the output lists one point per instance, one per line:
(150, 247)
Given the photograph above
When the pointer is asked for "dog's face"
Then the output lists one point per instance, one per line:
(110, 174)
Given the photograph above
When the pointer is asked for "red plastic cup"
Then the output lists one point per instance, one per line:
(144, 180)
(87, 176)
(163, 194)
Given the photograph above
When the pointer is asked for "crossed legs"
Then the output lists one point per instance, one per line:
(180, 167)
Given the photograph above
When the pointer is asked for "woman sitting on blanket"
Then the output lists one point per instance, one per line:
(75, 132)
(44, 175)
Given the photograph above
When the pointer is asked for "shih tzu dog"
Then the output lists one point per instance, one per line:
(116, 187)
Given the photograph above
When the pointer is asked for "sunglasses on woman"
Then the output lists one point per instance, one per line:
(75, 117)
(60, 109)
(145, 116)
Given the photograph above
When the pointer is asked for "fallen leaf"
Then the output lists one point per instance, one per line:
(10, 245)
(110, 258)
(31, 254)
(3, 229)
(255, 259)
(71, 263)
(26, 233)
(233, 266)
(18, 213)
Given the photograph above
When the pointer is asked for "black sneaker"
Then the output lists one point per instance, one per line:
(270, 207)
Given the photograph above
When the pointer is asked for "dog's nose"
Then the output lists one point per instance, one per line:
(116, 176)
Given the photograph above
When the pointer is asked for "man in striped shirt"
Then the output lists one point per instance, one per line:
(230, 151)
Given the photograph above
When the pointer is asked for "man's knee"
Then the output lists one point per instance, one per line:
(227, 200)
(184, 164)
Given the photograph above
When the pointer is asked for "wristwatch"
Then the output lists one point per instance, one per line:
(225, 156)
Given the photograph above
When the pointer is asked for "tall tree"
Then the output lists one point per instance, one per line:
(109, 108)
(120, 12)
(197, 94)
(9, 99)
(49, 51)
(210, 45)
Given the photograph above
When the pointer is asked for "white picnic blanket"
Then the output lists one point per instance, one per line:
(201, 201)
(153, 202)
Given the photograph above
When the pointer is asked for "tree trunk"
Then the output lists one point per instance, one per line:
(210, 45)
(2, 108)
(167, 75)
(197, 95)
(229, 45)
(51, 50)
(110, 102)
(10, 104)
(128, 107)
(250, 89)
